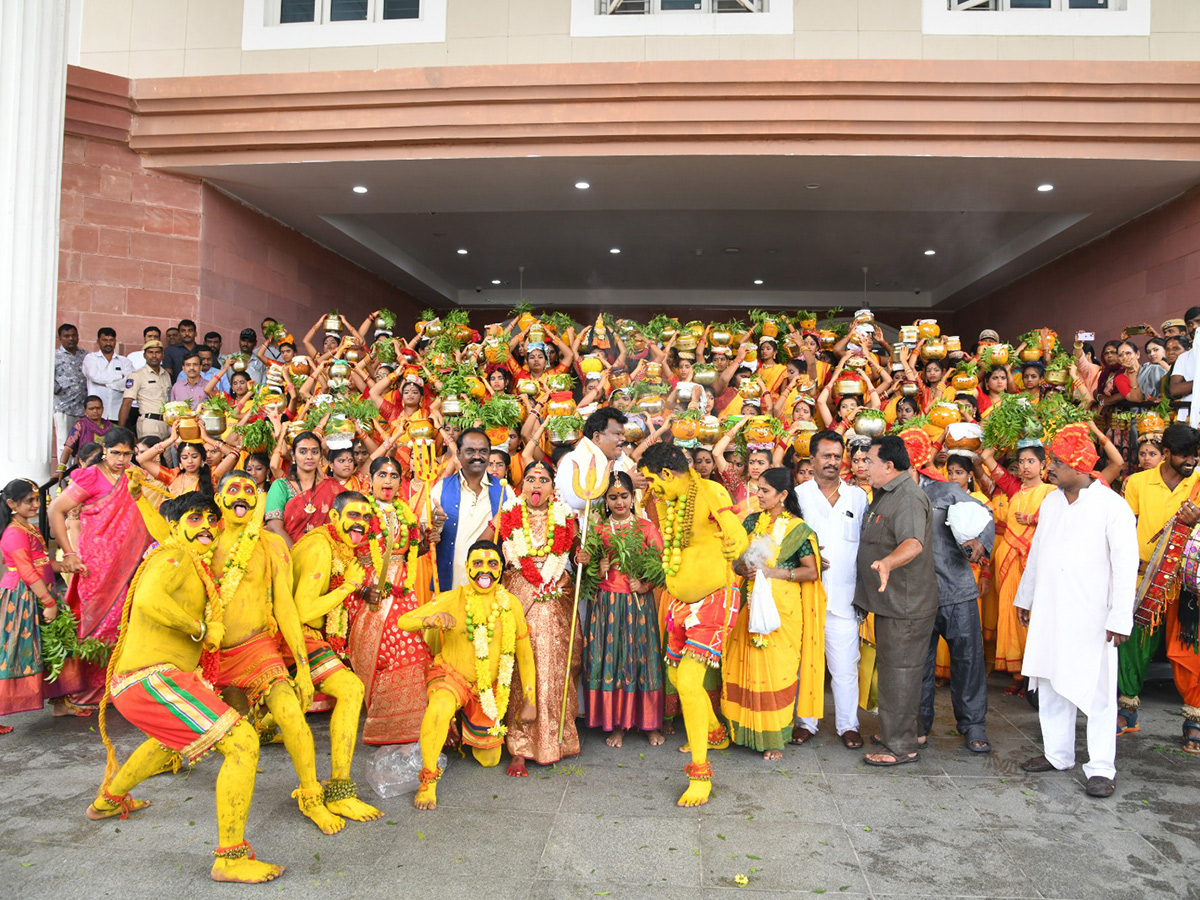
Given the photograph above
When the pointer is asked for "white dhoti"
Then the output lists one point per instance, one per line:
(1056, 714)
(841, 658)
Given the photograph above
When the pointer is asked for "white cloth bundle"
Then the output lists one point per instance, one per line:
(968, 520)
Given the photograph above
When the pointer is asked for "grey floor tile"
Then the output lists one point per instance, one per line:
(1036, 801)
(628, 850)
(945, 862)
(780, 856)
(776, 796)
(880, 799)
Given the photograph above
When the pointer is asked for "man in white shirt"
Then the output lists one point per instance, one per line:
(106, 372)
(137, 358)
(835, 510)
(1184, 373)
(466, 505)
(603, 434)
(1077, 596)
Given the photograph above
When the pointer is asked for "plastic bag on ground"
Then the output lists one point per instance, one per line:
(396, 769)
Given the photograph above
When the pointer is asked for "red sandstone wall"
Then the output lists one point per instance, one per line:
(252, 266)
(1147, 270)
(140, 247)
(129, 249)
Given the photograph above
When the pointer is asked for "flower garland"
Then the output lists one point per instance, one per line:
(481, 628)
(542, 565)
(376, 536)
(677, 527)
(337, 620)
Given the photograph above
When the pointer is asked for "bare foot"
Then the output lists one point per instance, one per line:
(244, 871)
(313, 807)
(772, 755)
(516, 768)
(668, 726)
(656, 738)
(353, 808)
(97, 813)
(696, 794)
(64, 707)
(426, 797)
(616, 738)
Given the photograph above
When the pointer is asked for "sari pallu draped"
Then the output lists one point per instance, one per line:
(1010, 558)
(304, 510)
(111, 543)
(391, 663)
(764, 687)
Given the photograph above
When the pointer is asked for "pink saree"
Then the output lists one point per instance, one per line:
(111, 545)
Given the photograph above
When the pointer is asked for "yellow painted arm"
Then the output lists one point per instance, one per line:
(286, 614)
(155, 523)
(311, 563)
(154, 597)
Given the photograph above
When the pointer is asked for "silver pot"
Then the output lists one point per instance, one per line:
(214, 422)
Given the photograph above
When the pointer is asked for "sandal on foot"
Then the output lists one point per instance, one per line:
(851, 740)
(884, 760)
(1127, 721)
(800, 736)
(1191, 737)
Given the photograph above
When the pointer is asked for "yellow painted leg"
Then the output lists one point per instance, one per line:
(347, 689)
(697, 712)
(435, 725)
(487, 758)
(235, 789)
(297, 737)
(146, 761)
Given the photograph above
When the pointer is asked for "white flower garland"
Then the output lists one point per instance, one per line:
(518, 546)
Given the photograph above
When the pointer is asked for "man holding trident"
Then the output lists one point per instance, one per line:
(699, 529)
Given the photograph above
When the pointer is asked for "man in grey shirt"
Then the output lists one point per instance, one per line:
(897, 582)
(957, 617)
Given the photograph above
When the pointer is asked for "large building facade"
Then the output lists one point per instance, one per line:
(1004, 163)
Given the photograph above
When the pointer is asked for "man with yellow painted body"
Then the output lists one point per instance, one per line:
(701, 537)
(326, 572)
(153, 683)
(479, 614)
(255, 575)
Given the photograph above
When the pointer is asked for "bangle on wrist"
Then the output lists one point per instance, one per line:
(203, 631)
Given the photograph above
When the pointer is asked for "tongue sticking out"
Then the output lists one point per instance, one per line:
(484, 581)
(536, 497)
(356, 536)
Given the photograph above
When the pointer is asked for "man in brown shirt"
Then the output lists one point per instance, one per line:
(897, 582)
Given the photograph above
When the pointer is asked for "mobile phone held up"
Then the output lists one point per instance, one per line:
(1085, 336)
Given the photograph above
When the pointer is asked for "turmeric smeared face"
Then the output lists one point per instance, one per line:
(666, 483)
(238, 499)
(351, 523)
(483, 568)
(198, 529)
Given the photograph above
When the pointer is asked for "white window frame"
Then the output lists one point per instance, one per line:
(261, 29)
(1133, 20)
(588, 21)
(654, 7)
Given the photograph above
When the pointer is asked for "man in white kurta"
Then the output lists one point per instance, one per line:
(1077, 595)
(835, 510)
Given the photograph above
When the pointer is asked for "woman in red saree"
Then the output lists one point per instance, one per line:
(301, 502)
(110, 548)
(391, 663)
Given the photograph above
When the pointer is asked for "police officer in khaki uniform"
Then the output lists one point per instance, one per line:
(150, 387)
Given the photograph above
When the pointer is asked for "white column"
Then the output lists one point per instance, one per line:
(33, 75)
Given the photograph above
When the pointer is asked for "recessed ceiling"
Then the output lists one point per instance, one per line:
(674, 217)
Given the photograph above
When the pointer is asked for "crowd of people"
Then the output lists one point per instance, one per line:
(618, 524)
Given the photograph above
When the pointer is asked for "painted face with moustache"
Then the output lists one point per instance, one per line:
(483, 569)
(351, 523)
(197, 530)
(238, 499)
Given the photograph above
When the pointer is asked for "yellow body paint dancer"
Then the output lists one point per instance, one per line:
(483, 636)
(153, 683)
(699, 530)
(326, 571)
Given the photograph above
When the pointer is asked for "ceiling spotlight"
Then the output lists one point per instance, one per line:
(1044, 188)
(582, 185)
(615, 250)
(462, 251)
(495, 281)
(758, 281)
(359, 189)
(812, 186)
(930, 252)
(733, 249)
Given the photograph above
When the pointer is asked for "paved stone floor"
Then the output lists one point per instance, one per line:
(604, 824)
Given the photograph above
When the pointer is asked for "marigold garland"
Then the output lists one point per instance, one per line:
(337, 620)
(542, 565)
(380, 531)
(493, 698)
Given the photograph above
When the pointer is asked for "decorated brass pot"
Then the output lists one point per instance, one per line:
(213, 421)
(685, 429)
(651, 404)
(710, 430)
(189, 428)
(928, 328)
(934, 349)
(944, 413)
(1031, 354)
(174, 410)
(635, 429)
(869, 423)
(802, 442)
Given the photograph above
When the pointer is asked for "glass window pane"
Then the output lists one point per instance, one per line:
(673, 5)
(1089, 4)
(297, 11)
(402, 9)
(1029, 4)
(347, 10)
